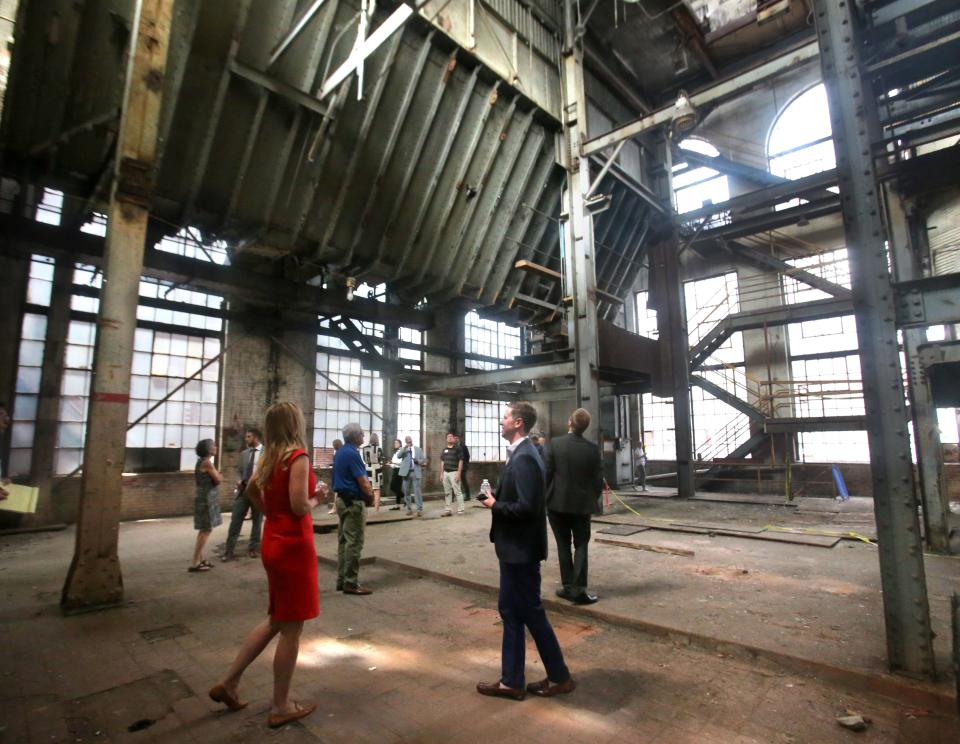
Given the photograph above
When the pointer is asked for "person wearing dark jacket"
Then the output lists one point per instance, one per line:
(519, 533)
(574, 488)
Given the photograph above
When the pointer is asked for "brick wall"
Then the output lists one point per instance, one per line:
(258, 372)
(145, 496)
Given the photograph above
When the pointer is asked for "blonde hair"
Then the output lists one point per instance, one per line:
(285, 431)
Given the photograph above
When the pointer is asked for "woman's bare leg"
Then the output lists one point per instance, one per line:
(252, 647)
(202, 536)
(284, 662)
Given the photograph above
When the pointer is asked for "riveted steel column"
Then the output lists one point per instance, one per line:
(852, 102)
(94, 579)
(578, 244)
(666, 296)
(907, 233)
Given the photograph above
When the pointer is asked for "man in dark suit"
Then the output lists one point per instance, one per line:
(519, 534)
(574, 486)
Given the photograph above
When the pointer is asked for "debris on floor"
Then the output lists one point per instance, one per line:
(853, 721)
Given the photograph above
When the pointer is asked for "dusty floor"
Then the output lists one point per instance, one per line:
(401, 664)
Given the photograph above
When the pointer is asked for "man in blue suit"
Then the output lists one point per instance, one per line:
(519, 534)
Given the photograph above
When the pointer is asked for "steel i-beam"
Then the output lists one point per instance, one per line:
(579, 253)
(853, 118)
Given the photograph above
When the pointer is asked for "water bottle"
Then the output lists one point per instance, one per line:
(485, 488)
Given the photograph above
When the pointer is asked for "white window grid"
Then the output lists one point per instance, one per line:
(660, 438)
(489, 338)
(162, 362)
(188, 242)
(409, 418)
(646, 318)
(800, 142)
(40, 281)
(50, 207)
(708, 301)
(834, 266)
(697, 186)
(482, 435)
(334, 408)
(33, 332)
(412, 359)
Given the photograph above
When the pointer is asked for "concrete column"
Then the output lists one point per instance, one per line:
(51, 377)
(94, 578)
(390, 393)
(766, 360)
(442, 414)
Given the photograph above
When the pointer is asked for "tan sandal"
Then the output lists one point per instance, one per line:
(219, 694)
(277, 720)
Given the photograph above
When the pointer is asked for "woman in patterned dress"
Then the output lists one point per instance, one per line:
(284, 489)
(206, 504)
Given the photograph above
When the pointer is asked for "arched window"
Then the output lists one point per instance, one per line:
(694, 186)
(800, 141)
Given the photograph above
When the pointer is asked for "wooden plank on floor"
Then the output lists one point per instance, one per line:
(642, 546)
(766, 499)
(718, 527)
(795, 538)
(621, 530)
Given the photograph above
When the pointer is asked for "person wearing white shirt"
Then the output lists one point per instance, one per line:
(241, 504)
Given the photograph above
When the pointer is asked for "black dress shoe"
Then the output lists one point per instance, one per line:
(584, 599)
(564, 594)
(493, 689)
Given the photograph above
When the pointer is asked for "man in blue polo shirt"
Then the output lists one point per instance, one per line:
(354, 493)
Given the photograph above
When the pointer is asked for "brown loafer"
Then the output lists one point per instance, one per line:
(493, 689)
(276, 720)
(361, 590)
(219, 694)
(545, 688)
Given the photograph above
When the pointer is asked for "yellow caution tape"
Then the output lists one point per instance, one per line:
(769, 527)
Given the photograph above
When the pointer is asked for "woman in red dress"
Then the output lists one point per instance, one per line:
(283, 487)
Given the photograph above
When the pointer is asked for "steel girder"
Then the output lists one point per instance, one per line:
(853, 119)
(427, 182)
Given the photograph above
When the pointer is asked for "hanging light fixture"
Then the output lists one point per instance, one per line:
(351, 283)
(684, 114)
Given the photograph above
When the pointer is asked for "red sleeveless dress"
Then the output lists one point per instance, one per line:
(287, 550)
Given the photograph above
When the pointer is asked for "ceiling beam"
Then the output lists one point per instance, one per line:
(693, 36)
(722, 90)
(450, 383)
(24, 237)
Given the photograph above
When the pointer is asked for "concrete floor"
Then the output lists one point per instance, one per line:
(770, 655)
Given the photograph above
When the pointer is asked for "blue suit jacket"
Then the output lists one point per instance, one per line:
(519, 528)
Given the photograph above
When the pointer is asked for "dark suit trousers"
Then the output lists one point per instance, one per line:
(520, 607)
(573, 568)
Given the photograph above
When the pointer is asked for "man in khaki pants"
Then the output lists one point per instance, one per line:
(451, 470)
(354, 494)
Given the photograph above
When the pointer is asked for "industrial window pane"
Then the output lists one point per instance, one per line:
(489, 338)
(31, 353)
(482, 433)
(34, 327)
(67, 460)
(28, 380)
(25, 408)
(21, 434)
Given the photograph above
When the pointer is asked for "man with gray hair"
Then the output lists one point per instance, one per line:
(354, 494)
(411, 470)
